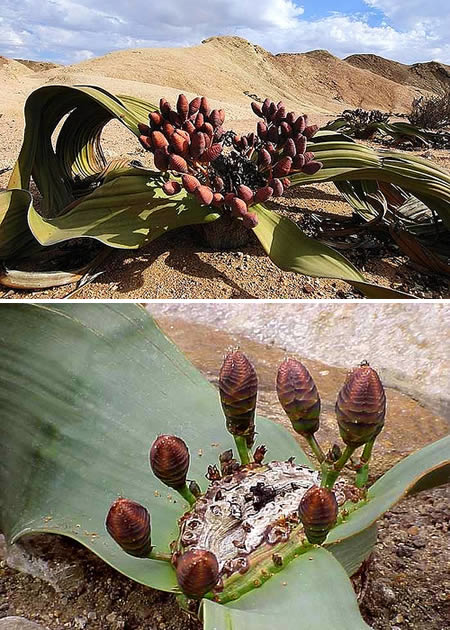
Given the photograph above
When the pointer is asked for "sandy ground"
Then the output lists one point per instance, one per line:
(180, 265)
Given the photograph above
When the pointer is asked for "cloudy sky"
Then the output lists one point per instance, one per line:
(67, 31)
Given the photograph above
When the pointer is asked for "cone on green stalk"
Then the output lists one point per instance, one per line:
(238, 385)
(129, 524)
(298, 396)
(169, 460)
(197, 572)
(318, 511)
(361, 406)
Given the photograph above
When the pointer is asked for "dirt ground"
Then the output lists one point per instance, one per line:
(406, 584)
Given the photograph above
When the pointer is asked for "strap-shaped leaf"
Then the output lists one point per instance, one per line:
(128, 210)
(312, 593)
(426, 468)
(84, 390)
(349, 161)
(292, 250)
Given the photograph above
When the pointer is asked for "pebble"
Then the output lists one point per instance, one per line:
(388, 594)
(403, 551)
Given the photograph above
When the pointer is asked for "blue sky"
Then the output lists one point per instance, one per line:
(68, 31)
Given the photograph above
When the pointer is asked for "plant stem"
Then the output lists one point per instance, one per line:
(315, 447)
(160, 555)
(243, 450)
(363, 473)
(187, 494)
(330, 476)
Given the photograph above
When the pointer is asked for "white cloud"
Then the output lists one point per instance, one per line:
(71, 30)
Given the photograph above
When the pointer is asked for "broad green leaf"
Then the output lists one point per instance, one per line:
(349, 161)
(127, 211)
(84, 390)
(312, 593)
(15, 234)
(426, 468)
(291, 250)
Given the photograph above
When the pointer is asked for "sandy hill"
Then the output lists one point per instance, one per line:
(228, 67)
(10, 69)
(431, 76)
(321, 72)
(38, 66)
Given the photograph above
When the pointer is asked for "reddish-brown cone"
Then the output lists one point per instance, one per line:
(161, 158)
(129, 524)
(155, 119)
(159, 140)
(245, 193)
(197, 572)
(298, 396)
(312, 167)
(250, 220)
(204, 195)
(277, 187)
(190, 183)
(217, 201)
(177, 163)
(146, 142)
(212, 153)
(283, 167)
(171, 188)
(318, 511)
(263, 194)
(169, 460)
(238, 207)
(238, 385)
(144, 129)
(183, 107)
(194, 106)
(361, 406)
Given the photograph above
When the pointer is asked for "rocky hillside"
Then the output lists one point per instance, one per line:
(230, 68)
(431, 76)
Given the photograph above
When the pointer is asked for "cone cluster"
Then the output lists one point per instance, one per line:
(224, 170)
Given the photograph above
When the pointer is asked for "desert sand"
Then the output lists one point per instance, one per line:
(229, 70)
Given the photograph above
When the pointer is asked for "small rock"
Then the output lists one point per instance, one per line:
(387, 594)
(111, 617)
(92, 616)
(80, 623)
(399, 619)
(413, 531)
(419, 542)
(19, 623)
(403, 551)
